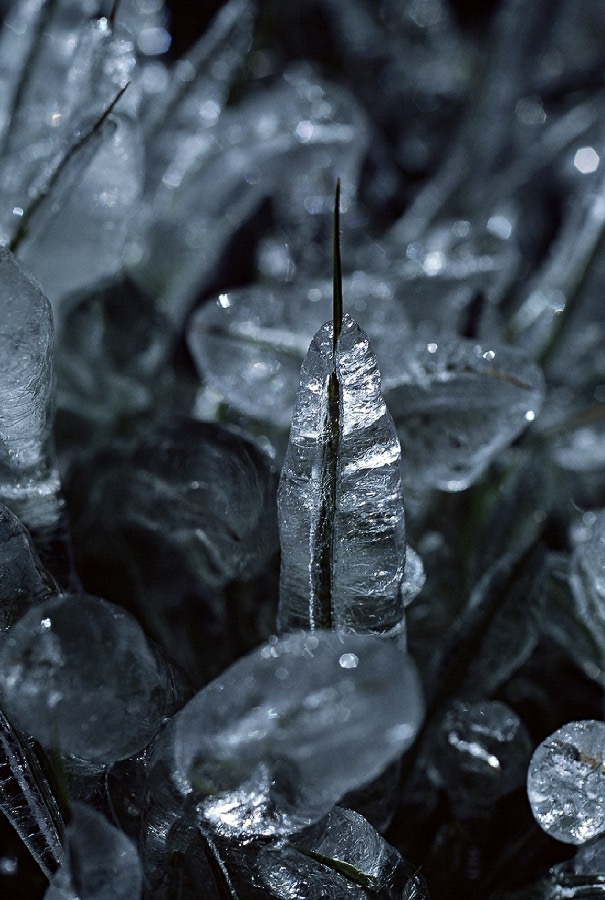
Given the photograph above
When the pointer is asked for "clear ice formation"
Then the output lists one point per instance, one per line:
(249, 344)
(587, 579)
(99, 862)
(24, 581)
(480, 755)
(340, 501)
(458, 403)
(344, 857)
(272, 744)
(29, 484)
(566, 782)
(79, 675)
(212, 490)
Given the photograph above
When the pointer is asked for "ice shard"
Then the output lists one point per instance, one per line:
(340, 497)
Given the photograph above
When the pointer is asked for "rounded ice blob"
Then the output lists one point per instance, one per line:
(566, 782)
(79, 674)
(272, 744)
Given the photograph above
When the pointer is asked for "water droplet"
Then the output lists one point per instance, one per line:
(348, 661)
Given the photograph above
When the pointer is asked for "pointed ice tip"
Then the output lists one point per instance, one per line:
(337, 289)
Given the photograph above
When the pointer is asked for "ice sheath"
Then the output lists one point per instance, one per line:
(340, 497)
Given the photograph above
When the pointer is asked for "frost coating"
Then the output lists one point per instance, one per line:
(566, 782)
(368, 541)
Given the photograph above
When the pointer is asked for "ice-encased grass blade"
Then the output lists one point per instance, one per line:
(340, 501)
(27, 800)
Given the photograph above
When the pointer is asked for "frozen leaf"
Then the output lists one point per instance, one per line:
(340, 499)
(272, 744)
(566, 782)
(100, 862)
(79, 675)
(249, 344)
(456, 405)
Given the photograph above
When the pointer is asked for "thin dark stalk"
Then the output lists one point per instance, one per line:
(112, 15)
(337, 274)
(73, 151)
(322, 614)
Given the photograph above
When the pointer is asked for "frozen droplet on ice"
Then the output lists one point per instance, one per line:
(99, 863)
(79, 675)
(272, 744)
(358, 546)
(566, 782)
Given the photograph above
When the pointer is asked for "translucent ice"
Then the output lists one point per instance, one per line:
(566, 782)
(100, 862)
(345, 857)
(71, 171)
(456, 404)
(28, 483)
(23, 579)
(294, 136)
(79, 675)
(272, 744)
(340, 499)
(587, 578)
(250, 343)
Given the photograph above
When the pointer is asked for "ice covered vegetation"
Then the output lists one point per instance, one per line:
(302, 450)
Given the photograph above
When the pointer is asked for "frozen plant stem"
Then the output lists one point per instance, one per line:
(322, 612)
(23, 229)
